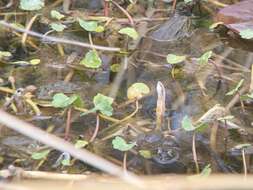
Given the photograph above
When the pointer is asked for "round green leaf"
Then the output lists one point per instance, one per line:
(131, 32)
(103, 104)
(60, 100)
(145, 154)
(115, 68)
(57, 15)
(120, 144)
(32, 5)
(187, 124)
(91, 60)
(89, 26)
(100, 29)
(58, 27)
(174, 59)
(35, 61)
(40, 155)
(137, 90)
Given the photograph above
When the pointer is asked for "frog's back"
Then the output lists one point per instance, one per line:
(47, 91)
(177, 27)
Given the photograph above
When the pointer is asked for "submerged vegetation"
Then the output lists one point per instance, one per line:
(152, 86)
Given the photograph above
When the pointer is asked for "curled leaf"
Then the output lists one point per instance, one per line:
(91, 60)
(120, 144)
(137, 90)
(131, 32)
(174, 59)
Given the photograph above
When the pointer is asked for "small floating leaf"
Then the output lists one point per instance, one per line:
(137, 90)
(81, 143)
(145, 154)
(174, 59)
(120, 144)
(58, 27)
(204, 58)
(60, 100)
(57, 15)
(32, 5)
(35, 61)
(234, 90)
(115, 68)
(187, 124)
(5, 54)
(40, 155)
(91, 60)
(100, 29)
(246, 33)
(131, 32)
(103, 104)
(89, 26)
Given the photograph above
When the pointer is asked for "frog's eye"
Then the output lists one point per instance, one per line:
(19, 91)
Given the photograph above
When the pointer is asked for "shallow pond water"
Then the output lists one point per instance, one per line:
(190, 91)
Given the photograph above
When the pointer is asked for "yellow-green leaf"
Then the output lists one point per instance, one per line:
(57, 15)
(91, 60)
(137, 90)
(131, 32)
(174, 59)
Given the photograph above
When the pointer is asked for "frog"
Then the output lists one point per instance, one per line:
(171, 36)
(46, 92)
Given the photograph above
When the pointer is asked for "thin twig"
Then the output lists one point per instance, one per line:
(96, 130)
(68, 124)
(194, 152)
(28, 27)
(59, 40)
(244, 163)
(63, 146)
(125, 12)
(125, 162)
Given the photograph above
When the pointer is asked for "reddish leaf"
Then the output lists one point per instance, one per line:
(239, 12)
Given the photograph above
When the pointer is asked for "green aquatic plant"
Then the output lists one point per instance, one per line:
(174, 59)
(131, 32)
(91, 60)
(58, 27)
(60, 100)
(90, 26)
(39, 155)
(31, 5)
(235, 89)
(56, 15)
(120, 144)
(137, 91)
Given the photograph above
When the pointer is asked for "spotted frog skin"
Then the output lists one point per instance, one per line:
(47, 91)
(170, 37)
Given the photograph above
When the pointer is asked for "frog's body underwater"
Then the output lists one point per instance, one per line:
(172, 36)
